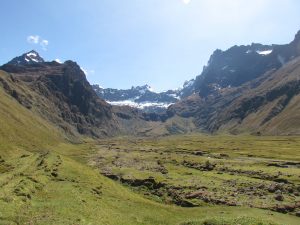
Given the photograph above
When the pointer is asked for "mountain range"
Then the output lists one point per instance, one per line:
(63, 139)
(251, 89)
(225, 70)
(143, 97)
(58, 93)
(255, 93)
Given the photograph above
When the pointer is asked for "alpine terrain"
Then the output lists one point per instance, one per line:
(223, 149)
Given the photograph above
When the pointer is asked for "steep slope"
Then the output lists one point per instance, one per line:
(268, 105)
(20, 127)
(272, 107)
(240, 64)
(61, 94)
(46, 180)
(262, 97)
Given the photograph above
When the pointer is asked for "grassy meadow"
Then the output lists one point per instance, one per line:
(182, 180)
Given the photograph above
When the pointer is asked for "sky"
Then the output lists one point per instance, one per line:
(125, 43)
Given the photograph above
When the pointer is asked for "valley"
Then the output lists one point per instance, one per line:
(187, 179)
(222, 150)
(199, 170)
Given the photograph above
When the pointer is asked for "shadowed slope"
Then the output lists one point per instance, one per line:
(61, 94)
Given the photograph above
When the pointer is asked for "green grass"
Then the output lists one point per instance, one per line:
(22, 129)
(222, 221)
(80, 195)
(241, 175)
(45, 180)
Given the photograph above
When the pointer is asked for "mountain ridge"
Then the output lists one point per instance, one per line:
(61, 94)
(225, 69)
(217, 100)
(28, 58)
(143, 97)
(266, 105)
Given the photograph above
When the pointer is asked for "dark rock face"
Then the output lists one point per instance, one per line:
(284, 93)
(240, 64)
(65, 97)
(261, 91)
(233, 67)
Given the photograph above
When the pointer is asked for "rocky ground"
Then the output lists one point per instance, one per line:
(192, 171)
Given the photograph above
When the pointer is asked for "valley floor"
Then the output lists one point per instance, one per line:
(187, 179)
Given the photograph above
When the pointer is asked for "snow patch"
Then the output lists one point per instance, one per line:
(31, 54)
(141, 105)
(34, 60)
(265, 52)
(58, 61)
(174, 96)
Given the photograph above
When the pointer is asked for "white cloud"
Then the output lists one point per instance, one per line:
(44, 44)
(33, 39)
(36, 39)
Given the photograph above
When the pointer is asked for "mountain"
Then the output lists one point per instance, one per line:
(53, 181)
(60, 94)
(251, 89)
(240, 64)
(28, 58)
(225, 69)
(258, 97)
(143, 97)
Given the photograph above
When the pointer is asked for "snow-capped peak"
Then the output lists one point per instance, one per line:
(143, 89)
(31, 57)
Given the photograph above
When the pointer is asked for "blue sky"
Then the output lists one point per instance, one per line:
(121, 43)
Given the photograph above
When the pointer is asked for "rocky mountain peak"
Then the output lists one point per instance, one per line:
(297, 36)
(143, 88)
(70, 100)
(29, 58)
(296, 43)
(240, 64)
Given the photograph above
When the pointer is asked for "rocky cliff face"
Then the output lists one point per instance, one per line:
(61, 94)
(251, 88)
(239, 92)
(240, 64)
